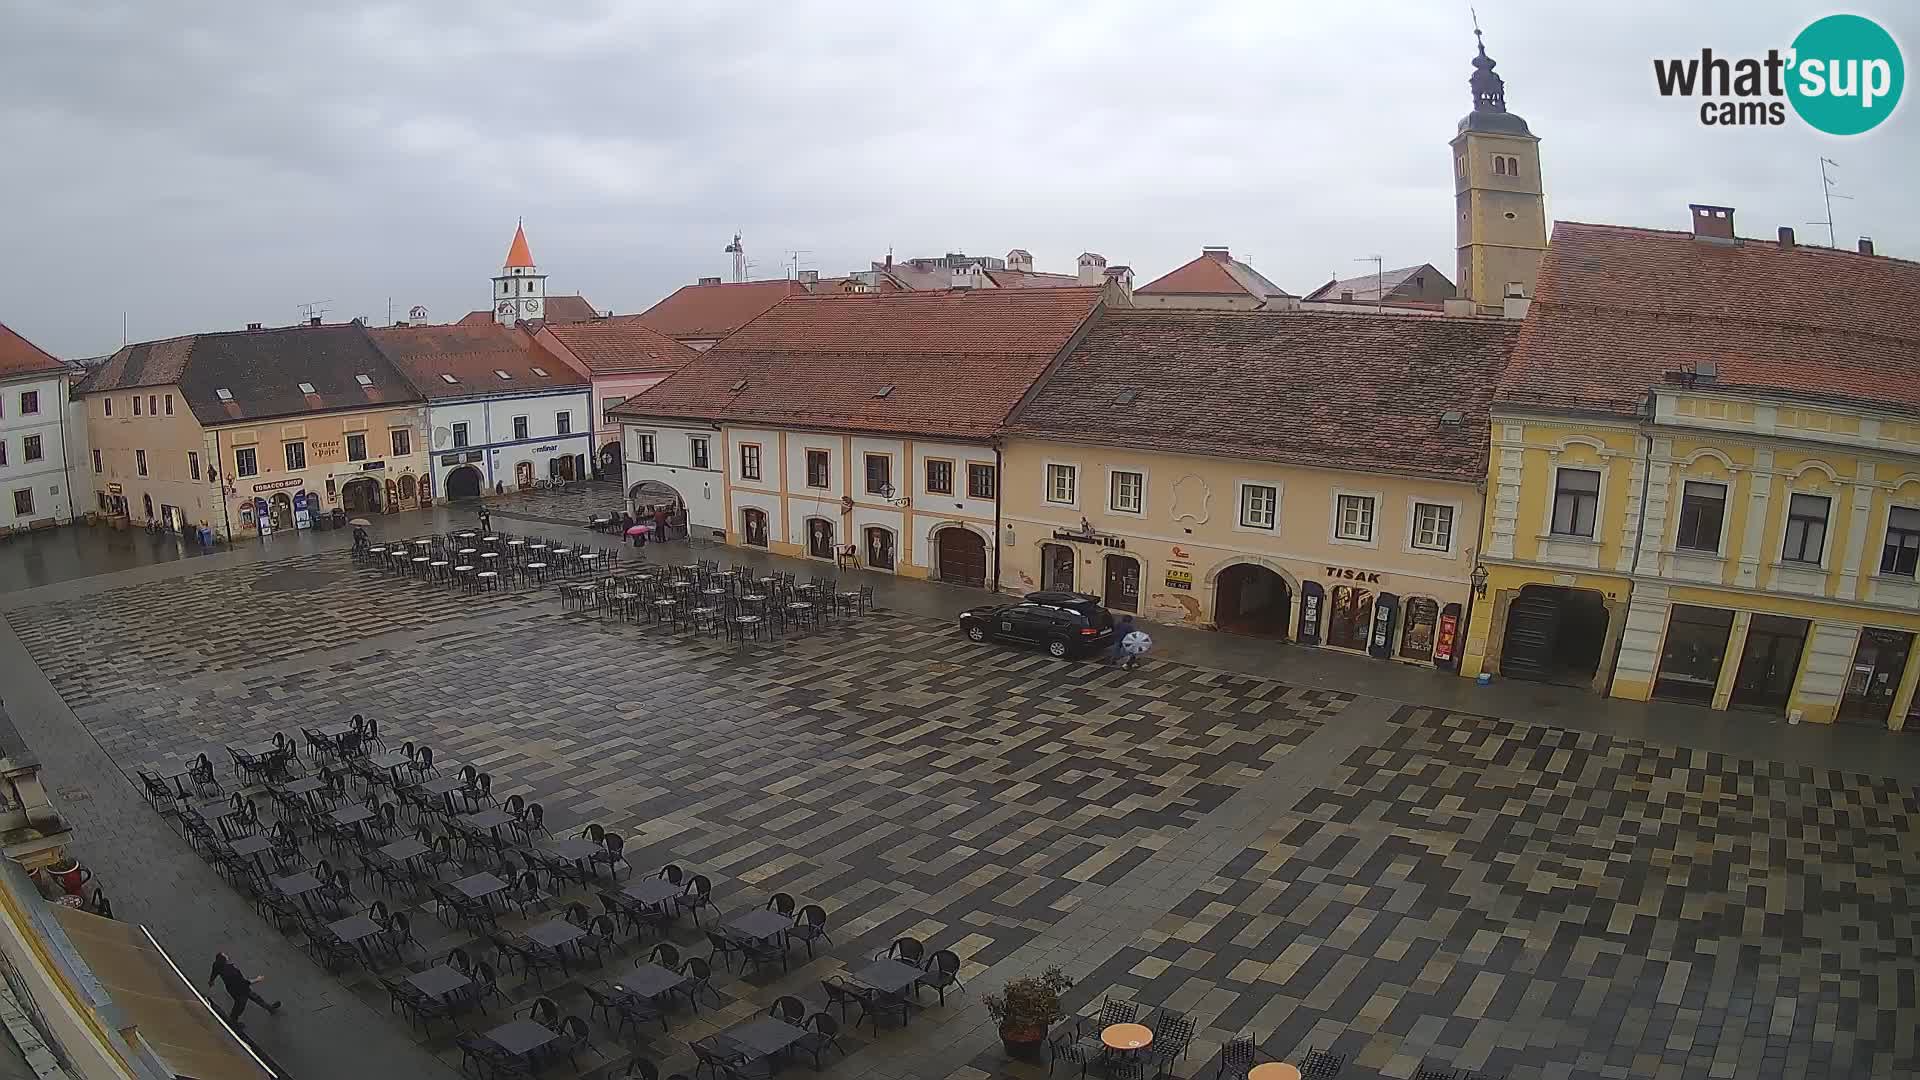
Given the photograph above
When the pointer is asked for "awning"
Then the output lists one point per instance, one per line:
(166, 1012)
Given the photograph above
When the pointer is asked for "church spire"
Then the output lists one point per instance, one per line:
(1489, 89)
(518, 254)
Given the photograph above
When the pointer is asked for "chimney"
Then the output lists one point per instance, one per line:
(1866, 245)
(313, 320)
(253, 326)
(1712, 222)
(1093, 268)
(1346, 296)
(889, 260)
(1786, 238)
(709, 281)
(1217, 253)
(809, 277)
(1020, 259)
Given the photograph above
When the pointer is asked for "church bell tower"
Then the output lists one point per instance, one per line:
(1499, 199)
(520, 289)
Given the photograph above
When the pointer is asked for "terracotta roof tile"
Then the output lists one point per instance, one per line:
(621, 345)
(145, 363)
(1214, 273)
(473, 355)
(957, 362)
(714, 311)
(1351, 391)
(518, 254)
(1618, 307)
(18, 356)
(263, 369)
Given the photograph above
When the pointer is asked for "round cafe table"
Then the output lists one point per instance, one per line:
(1127, 1037)
(1274, 1070)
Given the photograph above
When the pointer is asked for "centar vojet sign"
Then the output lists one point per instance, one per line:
(1843, 75)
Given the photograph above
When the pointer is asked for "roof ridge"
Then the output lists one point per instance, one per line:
(1726, 320)
(1814, 249)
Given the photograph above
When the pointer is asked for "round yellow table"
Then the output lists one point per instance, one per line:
(1274, 1070)
(1127, 1037)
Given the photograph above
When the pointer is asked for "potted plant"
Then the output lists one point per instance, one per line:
(1025, 1008)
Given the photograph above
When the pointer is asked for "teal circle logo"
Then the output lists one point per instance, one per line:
(1847, 75)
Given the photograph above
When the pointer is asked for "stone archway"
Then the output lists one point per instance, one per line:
(361, 495)
(1252, 599)
(464, 483)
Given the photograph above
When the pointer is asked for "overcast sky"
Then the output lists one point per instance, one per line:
(201, 166)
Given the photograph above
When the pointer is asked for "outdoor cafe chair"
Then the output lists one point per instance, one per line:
(612, 854)
(810, 925)
(823, 1034)
(943, 970)
(699, 895)
(790, 1009)
(844, 995)
(724, 949)
(1118, 1011)
(698, 976)
(907, 950)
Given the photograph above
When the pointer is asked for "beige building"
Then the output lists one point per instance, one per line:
(1300, 476)
(1215, 281)
(263, 426)
(1500, 201)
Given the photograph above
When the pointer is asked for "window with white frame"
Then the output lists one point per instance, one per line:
(1432, 527)
(1354, 520)
(1703, 507)
(1900, 555)
(459, 434)
(1126, 491)
(819, 469)
(647, 451)
(1576, 502)
(1063, 483)
(697, 447)
(1806, 529)
(749, 461)
(1259, 506)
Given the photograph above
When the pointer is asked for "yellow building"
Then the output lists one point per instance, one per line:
(1303, 476)
(1704, 481)
(264, 426)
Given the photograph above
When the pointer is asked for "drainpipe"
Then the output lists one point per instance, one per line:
(998, 483)
(1639, 537)
(66, 462)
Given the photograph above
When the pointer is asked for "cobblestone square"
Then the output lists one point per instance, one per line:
(1316, 868)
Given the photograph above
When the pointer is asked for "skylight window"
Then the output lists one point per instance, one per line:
(363, 380)
(223, 394)
(739, 386)
(448, 379)
(307, 388)
(540, 371)
(885, 391)
(501, 373)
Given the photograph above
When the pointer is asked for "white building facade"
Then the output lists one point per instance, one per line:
(509, 442)
(684, 464)
(36, 438)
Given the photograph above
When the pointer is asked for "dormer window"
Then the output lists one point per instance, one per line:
(223, 394)
(363, 380)
(448, 379)
(307, 388)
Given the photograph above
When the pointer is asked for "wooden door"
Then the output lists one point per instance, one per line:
(1123, 583)
(963, 557)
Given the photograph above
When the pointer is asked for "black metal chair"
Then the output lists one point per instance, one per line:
(823, 1034)
(943, 970)
(810, 926)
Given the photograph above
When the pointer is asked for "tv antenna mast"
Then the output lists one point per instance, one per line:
(314, 310)
(1379, 280)
(1826, 191)
(793, 259)
(739, 253)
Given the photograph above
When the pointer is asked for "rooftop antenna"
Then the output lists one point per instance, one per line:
(739, 253)
(315, 310)
(1379, 281)
(793, 257)
(1826, 190)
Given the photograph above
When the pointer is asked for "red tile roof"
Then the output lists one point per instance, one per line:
(1618, 307)
(518, 254)
(1349, 391)
(620, 345)
(1214, 273)
(146, 363)
(713, 311)
(18, 356)
(473, 355)
(956, 362)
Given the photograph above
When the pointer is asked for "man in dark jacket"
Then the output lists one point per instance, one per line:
(239, 987)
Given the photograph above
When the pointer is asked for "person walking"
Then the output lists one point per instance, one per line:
(239, 987)
(1120, 631)
(660, 517)
(486, 520)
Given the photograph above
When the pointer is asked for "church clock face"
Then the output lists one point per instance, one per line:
(529, 306)
(505, 307)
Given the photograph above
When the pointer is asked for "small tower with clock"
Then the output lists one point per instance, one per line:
(520, 289)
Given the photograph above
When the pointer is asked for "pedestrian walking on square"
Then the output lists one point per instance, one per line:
(486, 520)
(1120, 631)
(660, 517)
(239, 987)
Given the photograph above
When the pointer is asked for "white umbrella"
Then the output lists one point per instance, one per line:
(1136, 644)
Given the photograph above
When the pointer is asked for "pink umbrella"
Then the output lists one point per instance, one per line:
(640, 530)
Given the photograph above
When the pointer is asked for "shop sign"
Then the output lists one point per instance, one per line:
(116, 489)
(1311, 598)
(275, 485)
(1343, 573)
(449, 459)
(1443, 641)
(1180, 577)
(326, 450)
(1086, 535)
(373, 466)
(547, 449)
(1382, 624)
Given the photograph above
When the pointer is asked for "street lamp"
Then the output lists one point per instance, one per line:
(1479, 580)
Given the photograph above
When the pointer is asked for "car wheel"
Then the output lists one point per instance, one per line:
(976, 632)
(1057, 648)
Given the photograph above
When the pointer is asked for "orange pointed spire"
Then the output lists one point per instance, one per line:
(519, 254)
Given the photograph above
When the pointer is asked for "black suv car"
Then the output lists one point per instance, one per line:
(1065, 624)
